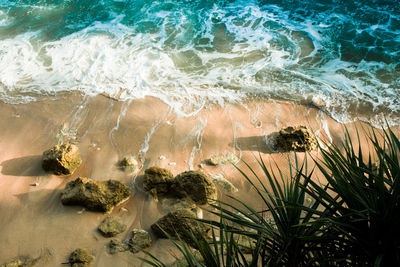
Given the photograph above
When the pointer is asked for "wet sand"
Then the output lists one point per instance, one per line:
(34, 222)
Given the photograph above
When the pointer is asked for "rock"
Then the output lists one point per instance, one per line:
(129, 163)
(168, 205)
(298, 138)
(80, 258)
(95, 195)
(140, 239)
(157, 181)
(21, 262)
(117, 246)
(220, 180)
(197, 187)
(178, 224)
(228, 158)
(111, 227)
(62, 159)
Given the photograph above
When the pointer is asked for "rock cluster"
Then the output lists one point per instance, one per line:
(61, 159)
(298, 138)
(139, 239)
(194, 185)
(95, 195)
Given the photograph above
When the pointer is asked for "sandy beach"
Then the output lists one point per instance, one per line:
(33, 221)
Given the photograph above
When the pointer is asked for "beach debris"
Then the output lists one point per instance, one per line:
(116, 246)
(298, 138)
(100, 196)
(129, 163)
(80, 258)
(168, 205)
(197, 186)
(61, 159)
(139, 240)
(81, 211)
(161, 157)
(227, 158)
(157, 181)
(179, 224)
(123, 209)
(111, 226)
(220, 180)
(172, 163)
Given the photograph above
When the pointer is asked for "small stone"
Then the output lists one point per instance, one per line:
(298, 138)
(95, 195)
(129, 163)
(228, 158)
(62, 159)
(111, 226)
(80, 258)
(81, 211)
(123, 209)
(220, 180)
(35, 184)
(172, 163)
(117, 246)
(197, 186)
(140, 239)
(161, 157)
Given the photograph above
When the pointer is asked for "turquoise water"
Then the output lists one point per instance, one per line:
(343, 56)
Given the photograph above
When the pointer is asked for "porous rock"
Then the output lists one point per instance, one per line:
(80, 258)
(168, 205)
(111, 226)
(62, 159)
(227, 158)
(95, 195)
(178, 224)
(157, 181)
(197, 186)
(21, 262)
(139, 239)
(298, 138)
(129, 163)
(116, 245)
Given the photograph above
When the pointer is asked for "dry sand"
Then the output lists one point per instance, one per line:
(34, 222)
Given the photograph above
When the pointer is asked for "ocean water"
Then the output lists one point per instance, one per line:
(340, 55)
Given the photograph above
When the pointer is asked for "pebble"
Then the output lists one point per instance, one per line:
(172, 163)
(161, 157)
(81, 211)
(35, 184)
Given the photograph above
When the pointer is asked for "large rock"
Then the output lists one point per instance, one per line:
(178, 224)
(80, 258)
(111, 227)
(298, 138)
(158, 181)
(140, 239)
(95, 195)
(197, 186)
(61, 159)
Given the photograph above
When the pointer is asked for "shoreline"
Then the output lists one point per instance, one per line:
(34, 220)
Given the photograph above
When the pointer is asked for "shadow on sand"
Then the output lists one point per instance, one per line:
(264, 144)
(24, 166)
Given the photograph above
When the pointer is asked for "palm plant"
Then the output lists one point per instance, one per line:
(362, 199)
